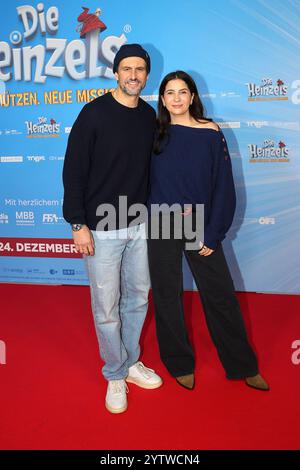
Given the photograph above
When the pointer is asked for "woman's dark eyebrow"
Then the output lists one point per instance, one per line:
(181, 89)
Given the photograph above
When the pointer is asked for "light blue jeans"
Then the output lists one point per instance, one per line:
(119, 282)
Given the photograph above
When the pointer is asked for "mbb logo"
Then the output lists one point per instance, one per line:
(24, 215)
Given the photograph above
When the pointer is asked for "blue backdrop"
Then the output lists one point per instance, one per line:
(244, 57)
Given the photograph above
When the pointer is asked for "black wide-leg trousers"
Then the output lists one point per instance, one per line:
(221, 308)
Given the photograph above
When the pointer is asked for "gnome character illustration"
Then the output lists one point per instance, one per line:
(90, 22)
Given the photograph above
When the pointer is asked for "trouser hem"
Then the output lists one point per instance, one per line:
(241, 376)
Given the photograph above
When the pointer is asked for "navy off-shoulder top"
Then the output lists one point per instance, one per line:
(194, 167)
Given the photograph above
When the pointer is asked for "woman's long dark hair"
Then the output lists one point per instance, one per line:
(163, 117)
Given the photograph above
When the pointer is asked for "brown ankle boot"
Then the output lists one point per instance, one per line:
(187, 381)
(257, 382)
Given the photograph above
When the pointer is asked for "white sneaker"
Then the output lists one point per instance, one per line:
(142, 376)
(116, 399)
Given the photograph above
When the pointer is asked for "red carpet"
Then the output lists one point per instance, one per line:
(52, 392)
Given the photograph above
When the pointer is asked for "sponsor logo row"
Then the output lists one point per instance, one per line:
(42, 128)
(27, 218)
(30, 158)
(51, 271)
(269, 151)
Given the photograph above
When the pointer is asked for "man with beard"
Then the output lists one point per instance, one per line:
(108, 156)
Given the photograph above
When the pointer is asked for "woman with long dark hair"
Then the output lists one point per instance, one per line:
(191, 166)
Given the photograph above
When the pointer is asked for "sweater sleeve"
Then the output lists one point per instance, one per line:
(76, 167)
(223, 195)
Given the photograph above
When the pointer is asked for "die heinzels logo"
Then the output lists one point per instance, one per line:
(42, 128)
(269, 152)
(86, 57)
(267, 90)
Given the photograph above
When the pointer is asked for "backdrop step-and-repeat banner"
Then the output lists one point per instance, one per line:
(57, 56)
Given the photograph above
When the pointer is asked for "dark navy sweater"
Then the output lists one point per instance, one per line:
(194, 167)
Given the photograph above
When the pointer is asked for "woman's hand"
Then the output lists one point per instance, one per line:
(187, 211)
(205, 251)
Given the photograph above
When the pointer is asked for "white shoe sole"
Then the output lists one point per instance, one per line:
(115, 410)
(131, 380)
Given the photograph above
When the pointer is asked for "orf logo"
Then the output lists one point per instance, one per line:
(267, 220)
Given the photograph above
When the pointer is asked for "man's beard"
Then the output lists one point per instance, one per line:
(130, 92)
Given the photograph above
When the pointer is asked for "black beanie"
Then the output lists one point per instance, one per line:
(131, 50)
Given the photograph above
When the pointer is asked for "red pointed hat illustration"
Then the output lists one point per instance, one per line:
(281, 144)
(280, 82)
(52, 121)
(90, 22)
